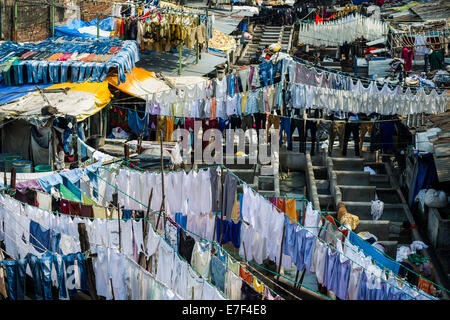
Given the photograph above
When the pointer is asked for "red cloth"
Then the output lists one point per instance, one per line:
(318, 19)
(407, 55)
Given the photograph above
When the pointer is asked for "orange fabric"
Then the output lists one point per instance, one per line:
(213, 107)
(425, 285)
(247, 277)
(55, 57)
(169, 128)
(291, 209)
(281, 204)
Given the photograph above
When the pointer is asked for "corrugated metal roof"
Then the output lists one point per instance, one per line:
(168, 63)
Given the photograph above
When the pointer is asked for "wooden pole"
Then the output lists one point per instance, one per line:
(53, 18)
(281, 253)
(163, 208)
(127, 152)
(75, 141)
(85, 247)
(180, 57)
(145, 226)
(120, 229)
(13, 177)
(215, 221)
(5, 179)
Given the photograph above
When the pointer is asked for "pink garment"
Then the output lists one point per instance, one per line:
(30, 184)
(407, 55)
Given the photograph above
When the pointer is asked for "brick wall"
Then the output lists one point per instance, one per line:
(34, 20)
(90, 9)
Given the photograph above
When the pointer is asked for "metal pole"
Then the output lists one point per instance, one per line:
(98, 27)
(180, 57)
(15, 20)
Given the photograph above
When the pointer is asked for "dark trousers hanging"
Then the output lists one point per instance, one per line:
(352, 128)
(311, 125)
(260, 120)
(298, 124)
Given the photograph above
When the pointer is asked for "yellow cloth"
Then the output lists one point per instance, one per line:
(244, 99)
(258, 286)
(235, 212)
(99, 212)
(291, 209)
(86, 200)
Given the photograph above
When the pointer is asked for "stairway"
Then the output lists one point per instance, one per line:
(266, 35)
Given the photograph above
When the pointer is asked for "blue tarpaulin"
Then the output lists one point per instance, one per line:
(72, 28)
(10, 93)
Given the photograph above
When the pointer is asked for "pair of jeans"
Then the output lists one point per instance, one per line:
(298, 124)
(97, 70)
(351, 128)
(53, 72)
(235, 122)
(285, 126)
(35, 267)
(265, 73)
(46, 261)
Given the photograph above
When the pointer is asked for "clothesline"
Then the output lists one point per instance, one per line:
(321, 227)
(311, 232)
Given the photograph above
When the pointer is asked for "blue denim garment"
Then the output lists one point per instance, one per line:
(81, 71)
(88, 72)
(230, 84)
(53, 72)
(21, 277)
(64, 71)
(82, 265)
(44, 67)
(252, 102)
(75, 69)
(97, 70)
(37, 76)
(11, 276)
(46, 262)
(285, 125)
(28, 65)
(58, 262)
(69, 262)
(35, 267)
(265, 73)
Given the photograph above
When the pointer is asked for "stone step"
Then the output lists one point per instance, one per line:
(357, 193)
(378, 228)
(353, 178)
(348, 164)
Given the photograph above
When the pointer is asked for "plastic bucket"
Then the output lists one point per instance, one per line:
(9, 160)
(23, 166)
(43, 168)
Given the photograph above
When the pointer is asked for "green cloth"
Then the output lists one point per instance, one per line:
(87, 200)
(67, 194)
(417, 259)
(437, 59)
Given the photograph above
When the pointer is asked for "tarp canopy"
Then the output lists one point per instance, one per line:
(11, 93)
(81, 100)
(142, 83)
(80, 28)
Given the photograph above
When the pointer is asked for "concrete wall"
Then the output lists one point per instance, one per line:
(438, 229)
